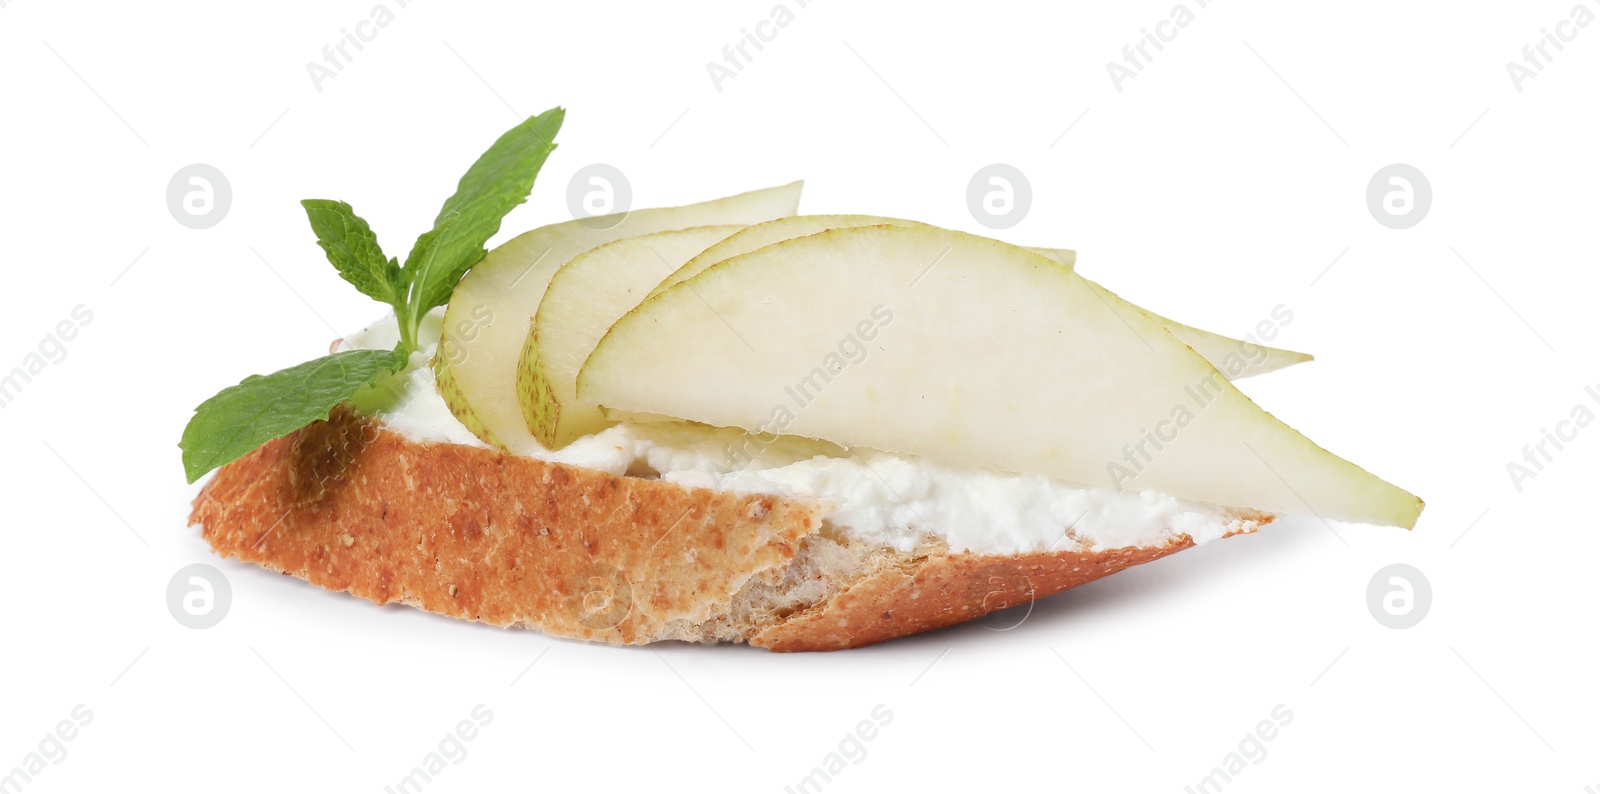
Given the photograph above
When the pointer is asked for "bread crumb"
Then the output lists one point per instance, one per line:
(347, 540)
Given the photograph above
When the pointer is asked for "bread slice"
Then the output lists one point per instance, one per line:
(478, 534)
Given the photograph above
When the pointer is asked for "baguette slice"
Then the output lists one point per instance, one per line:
(483, 535)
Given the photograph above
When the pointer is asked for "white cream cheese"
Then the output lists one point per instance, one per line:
(877, 497)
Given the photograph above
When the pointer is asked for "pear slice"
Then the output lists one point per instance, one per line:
(940, 344)
(584, 299)
(1236, 358)
(1065, 256)
(764, 234)
(486, 324)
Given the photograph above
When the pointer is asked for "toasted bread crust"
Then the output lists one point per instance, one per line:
(944, 590)
(483, 535)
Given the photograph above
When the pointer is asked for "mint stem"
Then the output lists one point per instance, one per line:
(408, 328)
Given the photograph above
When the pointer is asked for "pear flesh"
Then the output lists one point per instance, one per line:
(584, 299)
(1234, 357)
(960, 349)
(762, 235)
(487, 322)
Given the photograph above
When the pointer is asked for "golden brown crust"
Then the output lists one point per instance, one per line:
(482, 535)
(943, 590)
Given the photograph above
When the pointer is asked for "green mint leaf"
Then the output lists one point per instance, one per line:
(353, 249)
(494, 185)
(264, 407)
(425, 258)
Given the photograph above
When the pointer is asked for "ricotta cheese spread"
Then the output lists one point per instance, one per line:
(877, 497)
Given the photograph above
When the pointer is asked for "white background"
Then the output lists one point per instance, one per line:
(1221, 182)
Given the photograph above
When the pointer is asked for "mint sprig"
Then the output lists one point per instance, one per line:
(261, 408)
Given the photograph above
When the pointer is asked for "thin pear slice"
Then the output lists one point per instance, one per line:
(1065, 256)
(765, 234)
(487, 321)
(1234, 357)
(584, 299)
(940, 344)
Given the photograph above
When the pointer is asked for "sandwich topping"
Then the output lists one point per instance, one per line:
(897, 501)
(933, 389)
